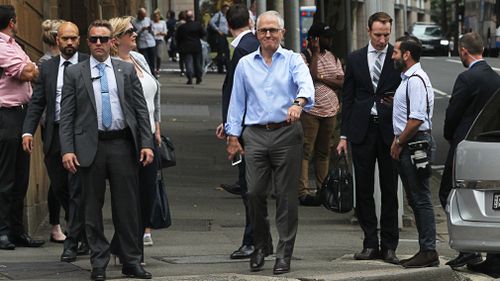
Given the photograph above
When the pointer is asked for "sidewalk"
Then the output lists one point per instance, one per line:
(207, 222)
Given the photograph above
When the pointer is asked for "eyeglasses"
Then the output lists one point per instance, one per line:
(102, 39)
(264, 31)
(128, 32)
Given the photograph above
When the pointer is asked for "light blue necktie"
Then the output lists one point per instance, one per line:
(106, 104)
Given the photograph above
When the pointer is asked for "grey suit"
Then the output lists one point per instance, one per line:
(66, 190)
(104, 156)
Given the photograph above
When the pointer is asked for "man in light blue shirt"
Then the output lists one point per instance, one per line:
(271, 88)
(145, 38)
(412, 113)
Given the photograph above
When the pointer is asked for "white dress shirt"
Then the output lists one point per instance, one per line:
(60, 81)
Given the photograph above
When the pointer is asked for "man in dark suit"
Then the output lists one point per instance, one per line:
(105, 133)
(473, 88)
(369, 86)
(244, 43)
(188, 37)
(47, 97)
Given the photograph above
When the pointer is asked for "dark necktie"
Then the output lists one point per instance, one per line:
(377, 69)
(65, 64)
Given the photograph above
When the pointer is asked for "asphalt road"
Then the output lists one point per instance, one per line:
(443, 72)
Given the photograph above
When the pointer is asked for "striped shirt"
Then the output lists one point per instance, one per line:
(326, 103)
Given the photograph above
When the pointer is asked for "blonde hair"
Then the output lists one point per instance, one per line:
(119, 25)
(49, 31)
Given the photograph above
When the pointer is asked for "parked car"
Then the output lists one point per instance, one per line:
(473, 207)
(432, 38)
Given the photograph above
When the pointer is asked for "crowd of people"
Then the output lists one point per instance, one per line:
(100, 118)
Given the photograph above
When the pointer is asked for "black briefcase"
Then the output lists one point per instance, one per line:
(336, 194)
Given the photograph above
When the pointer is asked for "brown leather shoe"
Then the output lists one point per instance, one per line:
(367, 254)
(422, 259)
(389, 256)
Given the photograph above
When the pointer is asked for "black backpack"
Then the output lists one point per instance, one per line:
(336, 194)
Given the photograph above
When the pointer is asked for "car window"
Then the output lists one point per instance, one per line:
(426, 30)
(486, 127)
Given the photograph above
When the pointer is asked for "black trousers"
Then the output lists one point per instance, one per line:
(364, 156)
(149, 54)
(58, 176)
(447, 178)
(222, 53)
(116, 161)
(14, 171)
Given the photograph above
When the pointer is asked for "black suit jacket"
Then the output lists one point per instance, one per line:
(247, 45)
(473, 88)
(359, 96)
(44, 98)
(78, 126)
(188, 37)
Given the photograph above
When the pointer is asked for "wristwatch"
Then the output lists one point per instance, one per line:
(297, 102)
(398, 142)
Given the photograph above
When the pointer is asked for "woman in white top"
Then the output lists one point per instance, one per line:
(159, 28)
(125, 41)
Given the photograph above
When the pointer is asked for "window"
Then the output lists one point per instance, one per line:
(486, 127)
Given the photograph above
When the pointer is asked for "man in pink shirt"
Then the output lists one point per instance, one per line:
(16, 72)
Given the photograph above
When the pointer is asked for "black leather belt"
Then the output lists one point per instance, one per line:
(17, 107)
(115, 134)
(272, 126)
(374, 119)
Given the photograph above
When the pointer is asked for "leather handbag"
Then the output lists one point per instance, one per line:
(160, 209)
(336, 194)
(167, 153)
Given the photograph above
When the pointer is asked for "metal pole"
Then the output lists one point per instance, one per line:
(292, 40)
(261, 7)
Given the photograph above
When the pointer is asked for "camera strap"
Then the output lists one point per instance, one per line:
(408, 98)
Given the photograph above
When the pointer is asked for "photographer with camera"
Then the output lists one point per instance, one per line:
(413, 104)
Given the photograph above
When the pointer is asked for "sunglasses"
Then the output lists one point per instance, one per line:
(128, 32)
(264, 31)
(102, 39)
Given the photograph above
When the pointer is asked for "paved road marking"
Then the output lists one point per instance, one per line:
(441, 93)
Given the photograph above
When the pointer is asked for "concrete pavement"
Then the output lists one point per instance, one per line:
(207, 222)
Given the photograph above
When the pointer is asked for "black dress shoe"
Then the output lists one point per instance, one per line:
(98, 274)
(136, 271)
(486, 267)
(422, 259)
(83, 249)
(198, 81)
(232, 188)
(389, 256)
(245, 251)
(309, 200)
(189, 82)
(367, 254)
(5, 243)
(282, 265)
(68, 255)
(257, 259)
(465, 258)
(53, 240)
(24, 240)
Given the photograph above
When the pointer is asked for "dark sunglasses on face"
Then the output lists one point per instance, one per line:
(128, 32)
(102, 39)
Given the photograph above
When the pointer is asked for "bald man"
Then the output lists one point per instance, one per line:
(47, 96)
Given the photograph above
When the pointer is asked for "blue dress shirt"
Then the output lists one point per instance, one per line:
(262, 94)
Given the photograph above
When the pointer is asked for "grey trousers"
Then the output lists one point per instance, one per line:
(274, 154)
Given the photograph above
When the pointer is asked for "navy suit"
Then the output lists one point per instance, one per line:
(472, 89)
(247, 44)
(370, 141)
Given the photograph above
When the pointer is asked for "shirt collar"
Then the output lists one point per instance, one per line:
(237, 40)
(371, 49)
(279, 51)
(474, 62)
(6, 37)
(72, 60)
(94, 62)
(414, 68)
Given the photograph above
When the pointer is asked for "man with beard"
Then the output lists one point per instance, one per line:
(16, 72)
(411, 147)
(47, 97)
(473, 88)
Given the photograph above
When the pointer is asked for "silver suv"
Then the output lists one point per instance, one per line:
(473, 208)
